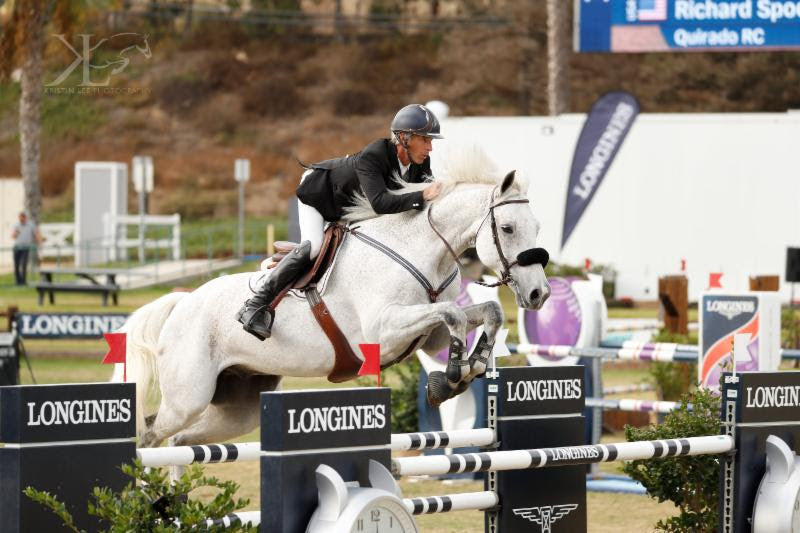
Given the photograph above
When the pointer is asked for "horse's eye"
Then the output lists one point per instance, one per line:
(507, 229)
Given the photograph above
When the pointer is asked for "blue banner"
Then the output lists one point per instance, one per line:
(606, 126)
(675, 25)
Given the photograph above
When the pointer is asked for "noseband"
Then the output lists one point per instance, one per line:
(534, 256)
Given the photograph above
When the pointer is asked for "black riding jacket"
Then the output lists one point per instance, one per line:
(373, 171)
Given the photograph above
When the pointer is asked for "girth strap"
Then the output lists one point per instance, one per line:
(433, 294)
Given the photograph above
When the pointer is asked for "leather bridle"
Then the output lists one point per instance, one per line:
(505, 274)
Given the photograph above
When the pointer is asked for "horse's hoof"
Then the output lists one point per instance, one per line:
(438, 389)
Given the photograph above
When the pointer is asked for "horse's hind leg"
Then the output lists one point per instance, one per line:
(187, 388)
(234, 410)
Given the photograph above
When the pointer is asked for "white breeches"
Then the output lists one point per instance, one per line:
(312, 225)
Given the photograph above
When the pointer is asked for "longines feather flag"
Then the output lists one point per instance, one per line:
(607, 124)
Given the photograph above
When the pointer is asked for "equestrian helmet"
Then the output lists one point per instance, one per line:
(417, 120)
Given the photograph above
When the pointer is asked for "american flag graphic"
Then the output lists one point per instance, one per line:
(652, 9)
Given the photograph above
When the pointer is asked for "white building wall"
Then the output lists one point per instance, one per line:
(720, 190)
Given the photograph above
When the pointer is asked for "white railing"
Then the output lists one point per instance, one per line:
(117, 240)
(56, 239)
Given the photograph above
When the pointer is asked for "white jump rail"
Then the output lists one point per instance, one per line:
(568, 455)
(251, 451)
(627, 404)
(452, 502)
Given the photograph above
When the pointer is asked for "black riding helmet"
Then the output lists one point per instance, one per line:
(418, 120)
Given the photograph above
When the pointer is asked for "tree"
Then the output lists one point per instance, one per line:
(557, 57)
(22, 46)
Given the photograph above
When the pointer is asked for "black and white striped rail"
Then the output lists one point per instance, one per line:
(567, 455)
(206, 453)
(452, 502)
(457, 438)
(251, 518)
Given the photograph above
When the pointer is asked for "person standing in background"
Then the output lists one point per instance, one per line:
(26, 237)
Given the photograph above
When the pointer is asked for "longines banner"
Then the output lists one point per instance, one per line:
(606, 127)
(68, 325)
(681, 25)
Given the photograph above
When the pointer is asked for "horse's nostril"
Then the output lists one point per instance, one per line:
(535, 295)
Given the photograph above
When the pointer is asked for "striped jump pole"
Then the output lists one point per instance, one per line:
(251, 451)
(628, 404)
(250, 518)
(458, 438)
(206, 453)
(567, 455)
(452, 502)
(627, 351)
(655, 352)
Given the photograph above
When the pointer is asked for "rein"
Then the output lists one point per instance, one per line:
(433, 294)
(505, 275)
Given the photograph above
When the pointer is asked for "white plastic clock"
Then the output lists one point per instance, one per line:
(346, 507)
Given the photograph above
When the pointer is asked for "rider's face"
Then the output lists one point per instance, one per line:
(419, 147)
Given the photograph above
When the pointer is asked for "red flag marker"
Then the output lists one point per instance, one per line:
(683, 265)
(587, 264)
(116, 352)
(372, 360)
(714, 280)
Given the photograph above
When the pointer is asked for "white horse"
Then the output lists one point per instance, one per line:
(211, 372)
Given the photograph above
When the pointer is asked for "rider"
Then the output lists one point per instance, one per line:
(329, 186)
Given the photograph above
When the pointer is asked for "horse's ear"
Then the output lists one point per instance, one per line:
(507, 181)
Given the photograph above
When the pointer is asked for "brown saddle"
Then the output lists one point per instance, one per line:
(346, 364)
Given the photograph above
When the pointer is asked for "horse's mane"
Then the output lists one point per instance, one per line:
(462, 165)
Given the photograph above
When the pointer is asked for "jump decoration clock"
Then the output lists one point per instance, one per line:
(346, 507)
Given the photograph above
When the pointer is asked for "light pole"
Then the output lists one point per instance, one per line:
(241, 173)
(142, 184)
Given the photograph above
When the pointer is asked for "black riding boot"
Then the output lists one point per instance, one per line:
(255, 315)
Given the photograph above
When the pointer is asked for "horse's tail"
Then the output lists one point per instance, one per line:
(142, 330)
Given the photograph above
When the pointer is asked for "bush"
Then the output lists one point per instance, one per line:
(691, 483)
(155, 504)
(673, 380)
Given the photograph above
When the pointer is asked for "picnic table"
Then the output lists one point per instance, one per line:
(100, 280)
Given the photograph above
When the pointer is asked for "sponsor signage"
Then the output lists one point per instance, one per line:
(724, 315)
(552, 390)
(606, 127)
(767, 396)
(685, 25)
(68, 325)
(49, 413)
(304, 420)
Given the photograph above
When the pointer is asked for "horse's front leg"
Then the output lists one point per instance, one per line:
(401, 324)
(490, 316)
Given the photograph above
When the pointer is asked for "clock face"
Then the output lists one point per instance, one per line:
(384, 516)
